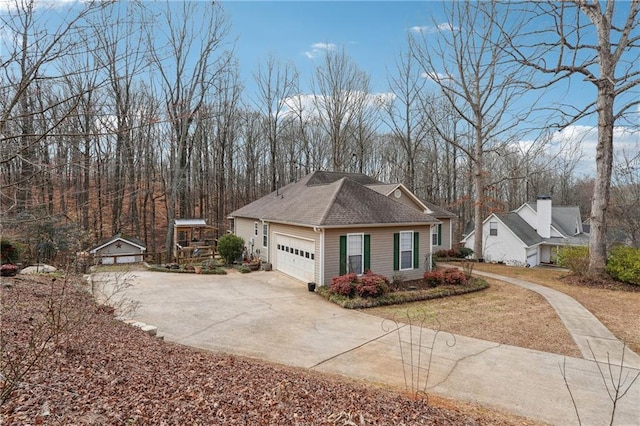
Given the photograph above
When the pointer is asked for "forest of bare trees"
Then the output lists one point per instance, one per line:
(120, 117)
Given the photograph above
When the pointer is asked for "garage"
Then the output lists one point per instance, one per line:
(295, 257)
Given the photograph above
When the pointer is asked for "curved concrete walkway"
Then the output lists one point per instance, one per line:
(269, 316)
(594, 340)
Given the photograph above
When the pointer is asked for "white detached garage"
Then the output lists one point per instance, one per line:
(119, 250)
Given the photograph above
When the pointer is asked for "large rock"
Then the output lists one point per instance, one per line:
(40, 268)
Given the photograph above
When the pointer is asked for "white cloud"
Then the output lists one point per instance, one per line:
(318, 49)
(624, 138)
(304, 104)
(13, 5)
(432, 29)
(437, 77)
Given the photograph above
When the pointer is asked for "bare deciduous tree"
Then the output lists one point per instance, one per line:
(276, 82)
(468, 63)
(338, 85)
(588, 42)
(188, 61)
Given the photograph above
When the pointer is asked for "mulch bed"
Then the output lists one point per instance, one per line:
(604, 283)
(89, 368)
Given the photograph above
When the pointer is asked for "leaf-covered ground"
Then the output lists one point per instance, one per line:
(66, 361)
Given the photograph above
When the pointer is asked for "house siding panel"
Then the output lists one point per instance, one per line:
(447, 228)
(244, 230)
(504, 247)
(407, 201)
(381, 251)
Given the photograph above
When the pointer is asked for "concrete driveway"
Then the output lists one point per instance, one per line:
(269, 316)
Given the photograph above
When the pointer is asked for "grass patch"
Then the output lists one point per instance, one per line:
(400, 297)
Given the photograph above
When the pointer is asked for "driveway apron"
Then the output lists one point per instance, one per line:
(270, 316)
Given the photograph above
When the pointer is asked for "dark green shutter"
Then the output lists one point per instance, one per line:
(416, 250)
(440, 234)
(367, 252)
(396, 252)
(343, 254)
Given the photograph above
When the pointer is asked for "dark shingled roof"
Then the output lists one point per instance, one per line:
(332, 199)
(438, 211)
(563, 218)
(526, 233)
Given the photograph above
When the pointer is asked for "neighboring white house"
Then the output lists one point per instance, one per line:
(119, 249)
(531, 234)
(331, 223)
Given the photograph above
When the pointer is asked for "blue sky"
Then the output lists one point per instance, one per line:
(373, 33)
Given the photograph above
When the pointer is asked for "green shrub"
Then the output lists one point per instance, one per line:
(230, 247)
(455, 253)
(212, 264)
(576, 258)
(9, 251)
(623, 264)
(243, 269)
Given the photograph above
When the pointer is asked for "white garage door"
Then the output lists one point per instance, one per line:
(295, 257)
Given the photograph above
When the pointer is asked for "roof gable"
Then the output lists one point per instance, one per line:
(118, 237)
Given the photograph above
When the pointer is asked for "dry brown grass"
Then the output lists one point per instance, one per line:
(511, 315)
(613, 304)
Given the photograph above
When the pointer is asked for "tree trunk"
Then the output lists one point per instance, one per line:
(602, 187)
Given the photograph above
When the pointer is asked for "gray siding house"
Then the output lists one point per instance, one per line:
(331, 223)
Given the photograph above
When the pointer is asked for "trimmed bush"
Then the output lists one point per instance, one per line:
(8, 270)
(9, 251)
(576, 258)
(448, 276)
(367, 285)
(433, 278)
(456, 253)
(230, 247)
(454, 276)
(623, 264)
(372, 285)
(344, 285)
(243, 269)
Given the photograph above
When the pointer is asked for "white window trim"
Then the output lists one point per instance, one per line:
(400, 251)
(491, 229)
(255, 229)
(434, 235)
(265, 234)
(361, 235)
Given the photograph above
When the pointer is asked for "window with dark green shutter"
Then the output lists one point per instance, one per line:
(396, 251)
(355, 253)
(416, 250)
(367, 252)
(343, 254)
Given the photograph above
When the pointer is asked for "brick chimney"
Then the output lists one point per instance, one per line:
(544, 216)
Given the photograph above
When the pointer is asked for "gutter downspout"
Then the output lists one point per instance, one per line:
(321, 254)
